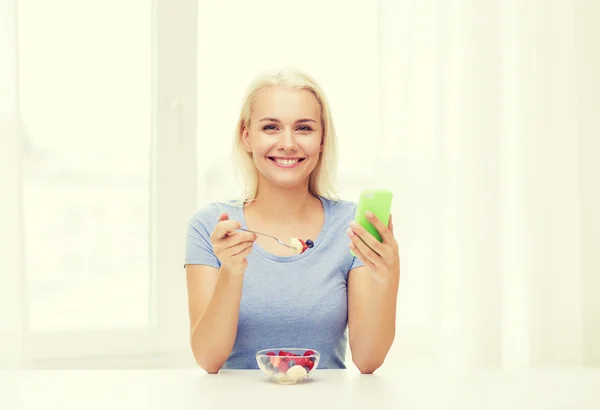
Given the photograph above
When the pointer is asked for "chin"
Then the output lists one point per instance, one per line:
(280, 179)
(287, 183)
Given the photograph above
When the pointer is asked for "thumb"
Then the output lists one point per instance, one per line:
(223, 216)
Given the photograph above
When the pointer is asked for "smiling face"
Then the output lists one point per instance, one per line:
(284, 135)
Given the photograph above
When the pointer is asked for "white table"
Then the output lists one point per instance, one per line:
(328, 389)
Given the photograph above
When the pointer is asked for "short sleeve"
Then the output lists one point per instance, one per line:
(199, 249)
(356, 263)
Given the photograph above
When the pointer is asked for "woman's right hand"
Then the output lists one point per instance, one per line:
(230, 246)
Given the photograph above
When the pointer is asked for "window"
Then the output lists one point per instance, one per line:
(107, 186)
(85, 95)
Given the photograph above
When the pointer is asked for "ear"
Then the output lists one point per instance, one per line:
(246, 139)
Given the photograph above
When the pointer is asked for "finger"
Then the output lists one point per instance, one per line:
(236, 238)
(361, 256)
(384, 232)
(239, 248)
(243, 254)
(225, 227)
(365, 250)
(369, 239)
(391, 225)
(223, 217)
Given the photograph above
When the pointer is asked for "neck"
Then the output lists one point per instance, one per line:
(282, 204)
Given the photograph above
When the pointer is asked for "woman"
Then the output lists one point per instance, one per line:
(247, 292)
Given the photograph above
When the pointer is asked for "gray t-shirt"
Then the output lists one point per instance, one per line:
(296, 301)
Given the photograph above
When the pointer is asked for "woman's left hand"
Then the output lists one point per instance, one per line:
(382, 258)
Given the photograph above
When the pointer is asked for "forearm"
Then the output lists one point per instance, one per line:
(372, 335)
(213, 336)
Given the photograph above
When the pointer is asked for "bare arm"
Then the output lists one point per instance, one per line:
(214, 301)
(372, 293)
(214, 295)
(371, 319)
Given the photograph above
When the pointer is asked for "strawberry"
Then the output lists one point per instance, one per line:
(275, 360)
(271, 354)
(283, 366)
(282, 353)
(309, 364)
(304, 245)
(309, 353)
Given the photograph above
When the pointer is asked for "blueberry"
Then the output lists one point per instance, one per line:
(307, 369)
(312, 359)
(309, 243)
(265, 359)
(292, 363)
(269, 366)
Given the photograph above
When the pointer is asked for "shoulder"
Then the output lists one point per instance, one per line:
(201, 224)
(340, 210)
(207, 216)
(341, 213)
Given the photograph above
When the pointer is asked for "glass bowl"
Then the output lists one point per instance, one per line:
(288, 365)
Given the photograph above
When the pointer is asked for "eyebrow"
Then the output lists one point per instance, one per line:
(300, 120)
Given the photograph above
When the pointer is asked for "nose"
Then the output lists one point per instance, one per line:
(288, 142)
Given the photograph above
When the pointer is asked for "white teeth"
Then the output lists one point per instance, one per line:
(286, 161)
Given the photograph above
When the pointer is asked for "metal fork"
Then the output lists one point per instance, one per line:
(264, 234)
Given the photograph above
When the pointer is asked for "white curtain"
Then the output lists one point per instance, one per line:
(12, 312)
(490, 133)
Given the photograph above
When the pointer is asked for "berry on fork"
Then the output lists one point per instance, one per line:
(301, 245)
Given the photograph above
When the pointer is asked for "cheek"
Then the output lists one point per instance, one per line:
(312, 148)
(261, 146)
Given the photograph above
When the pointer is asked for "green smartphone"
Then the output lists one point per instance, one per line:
(378, 201)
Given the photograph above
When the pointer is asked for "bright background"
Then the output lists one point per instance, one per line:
(116, 122)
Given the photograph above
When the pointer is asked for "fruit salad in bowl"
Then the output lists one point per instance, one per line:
(287, 365)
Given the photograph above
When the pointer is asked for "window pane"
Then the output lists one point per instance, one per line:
(85, 92)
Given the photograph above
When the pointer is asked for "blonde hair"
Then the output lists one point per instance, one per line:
(322, 180)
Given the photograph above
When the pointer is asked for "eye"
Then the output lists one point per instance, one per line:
(269, 127)
(305, 128)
